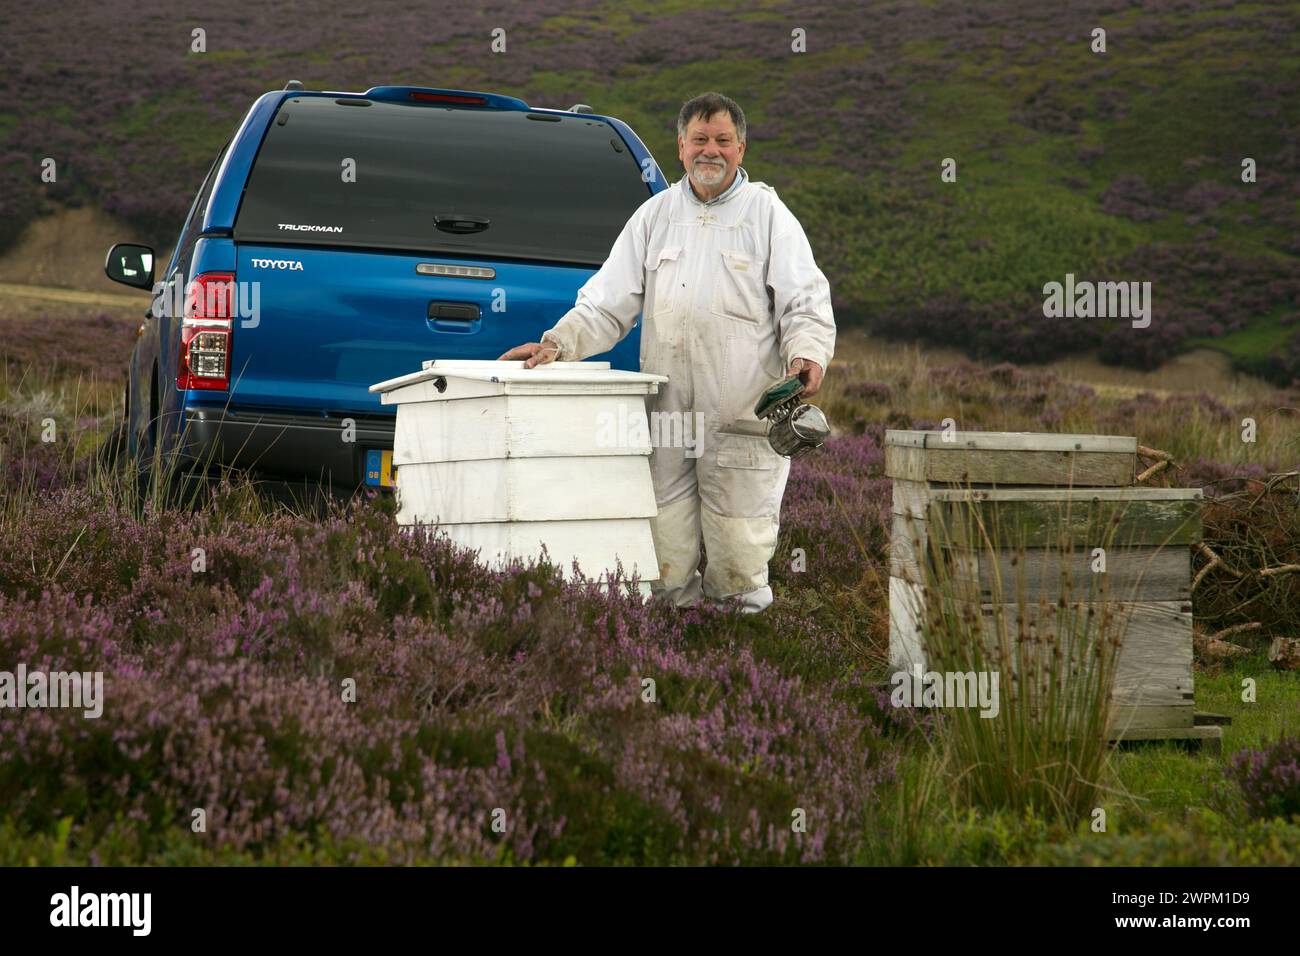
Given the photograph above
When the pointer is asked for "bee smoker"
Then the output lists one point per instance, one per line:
(795, 429)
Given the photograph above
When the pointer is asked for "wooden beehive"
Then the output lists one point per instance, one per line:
(1011, 520)
(508, 460)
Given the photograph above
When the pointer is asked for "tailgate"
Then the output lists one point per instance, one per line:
(331, 322)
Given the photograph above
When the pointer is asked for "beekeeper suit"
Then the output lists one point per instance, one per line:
(730, 296)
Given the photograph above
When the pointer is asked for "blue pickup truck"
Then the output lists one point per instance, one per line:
(341, 239)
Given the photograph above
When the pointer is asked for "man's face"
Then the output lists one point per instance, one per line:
(710, 152)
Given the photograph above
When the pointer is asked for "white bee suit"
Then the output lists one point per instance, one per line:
(730, 296)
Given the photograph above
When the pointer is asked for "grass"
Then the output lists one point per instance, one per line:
(197, 142)
(1037, 744)
(1164, 804)
(1184, 430)
(1250, 346)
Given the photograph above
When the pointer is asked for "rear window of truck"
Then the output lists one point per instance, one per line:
(502, 185)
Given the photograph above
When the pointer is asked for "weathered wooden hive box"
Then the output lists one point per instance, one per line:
(507, 460)
(1013, 520)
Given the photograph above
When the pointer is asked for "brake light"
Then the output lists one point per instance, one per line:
(449, 98)
(204, 360)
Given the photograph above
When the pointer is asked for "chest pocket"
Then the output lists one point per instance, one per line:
(738, 289)
(662, 269)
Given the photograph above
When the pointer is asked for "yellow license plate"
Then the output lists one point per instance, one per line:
(379, 468)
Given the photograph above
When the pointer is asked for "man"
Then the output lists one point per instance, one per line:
(731, 301)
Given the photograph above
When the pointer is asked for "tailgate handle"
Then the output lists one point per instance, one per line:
(461, 225)
(454, 316)
(454, 311)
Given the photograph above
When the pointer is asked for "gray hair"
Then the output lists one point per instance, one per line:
(704, 106)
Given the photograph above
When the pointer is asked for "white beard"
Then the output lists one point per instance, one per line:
(709, 175)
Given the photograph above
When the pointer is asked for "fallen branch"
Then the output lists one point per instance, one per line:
(1273, 480)
(1284, 653)
(1216, 559)
(1210, 649)
(1201, 574)
(1280, 569)
(1157, 467)
(1235, 629)
(1146, 452)
(1214, 562)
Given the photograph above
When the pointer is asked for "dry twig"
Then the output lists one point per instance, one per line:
(1146, 452)
(1214, 562)
(1157, 467)
(1280, 569)
(1235, 629)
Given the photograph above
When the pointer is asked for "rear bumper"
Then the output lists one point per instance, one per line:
(310, 447)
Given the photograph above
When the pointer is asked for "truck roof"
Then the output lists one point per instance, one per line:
(237, 162)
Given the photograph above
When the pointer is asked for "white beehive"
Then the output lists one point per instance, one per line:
(507, 460)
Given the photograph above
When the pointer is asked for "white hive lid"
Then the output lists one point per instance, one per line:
(511, 377)
(468, 364)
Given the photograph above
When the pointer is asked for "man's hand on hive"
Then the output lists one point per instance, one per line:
(533, 354)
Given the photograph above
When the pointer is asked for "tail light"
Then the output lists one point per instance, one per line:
(459, 99)
(206, 331)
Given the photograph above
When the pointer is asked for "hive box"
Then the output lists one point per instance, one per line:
(507, 460)
(1013, 458)
(1021, 516)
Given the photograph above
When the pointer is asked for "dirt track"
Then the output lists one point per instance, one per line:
(49, 293)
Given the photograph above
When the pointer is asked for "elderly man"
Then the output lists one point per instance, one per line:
(722, 275)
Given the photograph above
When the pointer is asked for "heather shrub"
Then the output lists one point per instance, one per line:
(1201, 839)
(54, 540)
(1269, 778)
(93, 354)
(868, 391)
(475, 691)
(836, 507)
